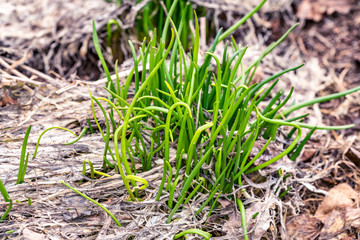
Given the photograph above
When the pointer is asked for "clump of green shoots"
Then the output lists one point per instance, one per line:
(212, 113)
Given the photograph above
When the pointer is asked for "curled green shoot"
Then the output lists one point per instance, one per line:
(118, 158)
(138, 179)
(167, 143)
(109, 31)
(82, 133)
(92, 170)
(61, 128)
(202, 233)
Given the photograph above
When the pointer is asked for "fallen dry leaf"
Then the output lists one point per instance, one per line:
(353, 218)
(337, 222)
(303, 227)
(339, 197)
(309, 151)
(353, 155)
(315, 9)
(262, 220)
(6, 100)
(233, 226)
(334, 224)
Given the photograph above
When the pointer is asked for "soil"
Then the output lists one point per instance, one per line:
(46, 60)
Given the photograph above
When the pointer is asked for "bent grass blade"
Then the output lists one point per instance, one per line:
(94, 202)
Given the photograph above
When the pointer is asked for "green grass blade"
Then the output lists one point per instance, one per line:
(241, 21)
(167, 145)
(4, 193)
(212, 194)
(316, 100)
(101, 57)
(301, 145)
(136, 66)
(7, 211)
(271, 47)
(286, 151)
(243, 218)
(22, 166)
(94, 202)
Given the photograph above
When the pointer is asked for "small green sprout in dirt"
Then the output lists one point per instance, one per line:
(4, 193)
(23, 160)
(6, 197)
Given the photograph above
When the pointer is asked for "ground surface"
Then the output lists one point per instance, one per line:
(47, 56)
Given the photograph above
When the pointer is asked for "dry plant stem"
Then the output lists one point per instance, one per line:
(11, 69)
(47, 78)
(14, 78)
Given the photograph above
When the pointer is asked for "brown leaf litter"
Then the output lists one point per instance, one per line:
(315, 9)
(335, 216)
(56, 35)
